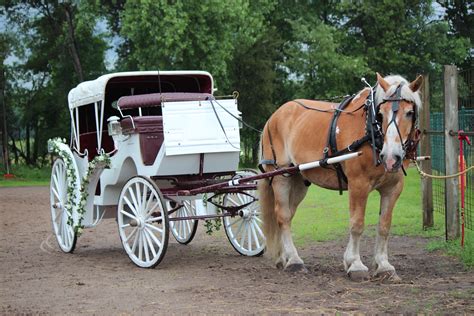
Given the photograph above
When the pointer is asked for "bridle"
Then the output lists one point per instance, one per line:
(409, 146)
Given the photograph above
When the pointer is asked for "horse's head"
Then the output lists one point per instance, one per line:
(398, 103)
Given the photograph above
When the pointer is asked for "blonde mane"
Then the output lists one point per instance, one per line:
(406, 92)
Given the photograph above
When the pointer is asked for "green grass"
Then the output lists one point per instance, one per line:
(26, 176)
(453, 248)
(324, 215)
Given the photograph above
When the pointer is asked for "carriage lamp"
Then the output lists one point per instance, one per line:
(114, 127)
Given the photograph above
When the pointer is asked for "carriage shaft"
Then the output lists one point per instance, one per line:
(288, 170)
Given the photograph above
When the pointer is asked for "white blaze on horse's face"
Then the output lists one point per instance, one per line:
(396, 129)
(392, 153)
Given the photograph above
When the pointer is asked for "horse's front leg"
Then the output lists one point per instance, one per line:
(388, 198)
(358, 194)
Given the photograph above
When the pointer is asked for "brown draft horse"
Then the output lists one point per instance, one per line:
(294, 135)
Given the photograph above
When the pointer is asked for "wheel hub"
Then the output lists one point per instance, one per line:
(245, 213)
(137, 222)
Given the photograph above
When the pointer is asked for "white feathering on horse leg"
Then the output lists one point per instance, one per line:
(381, 255)
(289, 250)
(352, 261)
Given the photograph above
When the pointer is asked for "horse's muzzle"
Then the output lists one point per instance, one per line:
(392, 163)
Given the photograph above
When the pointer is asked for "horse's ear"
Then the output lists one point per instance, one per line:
(416, 84)
(384, 84)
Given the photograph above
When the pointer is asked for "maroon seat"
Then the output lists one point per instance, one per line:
(89, 141)
(155, 99)
(150, 130)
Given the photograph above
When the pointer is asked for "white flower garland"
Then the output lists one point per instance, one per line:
(103, 160)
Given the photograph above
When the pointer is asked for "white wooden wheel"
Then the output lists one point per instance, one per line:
(143, 222)
(62, 227)
(244, 230)
(184, 230)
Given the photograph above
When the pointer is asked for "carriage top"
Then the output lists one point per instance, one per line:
(97, 90)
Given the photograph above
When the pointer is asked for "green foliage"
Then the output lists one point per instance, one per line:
(26, 176)
(400, 36)
(453, 248)
(56, 47)
(315, 58)
(189, 34)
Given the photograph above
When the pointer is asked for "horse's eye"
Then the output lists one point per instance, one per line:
(410, 114)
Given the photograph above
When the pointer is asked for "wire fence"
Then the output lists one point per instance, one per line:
(437, 142)
(466, 123)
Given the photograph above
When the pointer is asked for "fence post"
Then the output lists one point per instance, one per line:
(451, 150)
(425, 147)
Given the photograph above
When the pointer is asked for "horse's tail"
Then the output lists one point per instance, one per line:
(271, 229)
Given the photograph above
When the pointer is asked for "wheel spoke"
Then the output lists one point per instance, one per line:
(134, 200)
(181, 227)
(157, 242)
(254, 233)
(238, 230)
(150, 243)
(151, 198)
(242, 239)
(152, 219)
(140, 246)
(145, 246)
(234, 202)
(188, 225)
(258, 229)
(145, 191)
(249, 233)
(234, 222)
(157, 229)
(130, 205)
(55, 180)
(56, 194)
(135, 242)
(128, 214)
(138, 201)
(131, 234)
(148, 212)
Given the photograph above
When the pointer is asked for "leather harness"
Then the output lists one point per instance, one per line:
(373, 134)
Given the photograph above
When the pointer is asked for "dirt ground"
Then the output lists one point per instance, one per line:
(207, 276)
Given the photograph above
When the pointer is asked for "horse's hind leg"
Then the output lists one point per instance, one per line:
(388, 197)
(358, 194)
(289, 192)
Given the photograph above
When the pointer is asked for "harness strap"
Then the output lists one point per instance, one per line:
(332, 143)
(268, 161)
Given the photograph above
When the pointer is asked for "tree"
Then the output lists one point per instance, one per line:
(55, 48)
(400, 36)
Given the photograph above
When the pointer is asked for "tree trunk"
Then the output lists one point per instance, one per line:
(36, 144)
(28, 145)
(6, 156)
(14, 150)
(72, 43)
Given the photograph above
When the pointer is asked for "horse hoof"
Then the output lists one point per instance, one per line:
(296, 268)
(279, 265)
(387, 277)
(358, 276)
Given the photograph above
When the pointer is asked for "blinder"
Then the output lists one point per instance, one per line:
(410, 145)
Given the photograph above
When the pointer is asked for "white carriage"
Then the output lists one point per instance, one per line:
(143, 145)
(158, 152)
